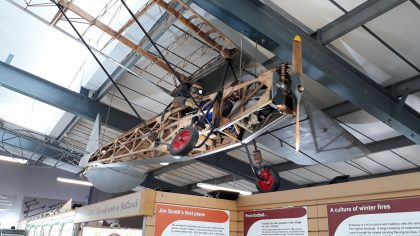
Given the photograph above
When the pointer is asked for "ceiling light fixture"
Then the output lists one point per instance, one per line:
(164, 163)
(13, 159)
(215, 187)
(74, 181)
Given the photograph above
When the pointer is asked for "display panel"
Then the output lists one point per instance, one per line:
(94, 231)
(291, 221)
(388, 217)
(67, 229)
(55, 230)
(173, 220)
(46, 230)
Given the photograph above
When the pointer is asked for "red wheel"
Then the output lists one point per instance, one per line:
(269, 180)
(184, 141)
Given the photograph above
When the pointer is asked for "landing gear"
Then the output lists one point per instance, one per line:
(268, 179)
(184, 141)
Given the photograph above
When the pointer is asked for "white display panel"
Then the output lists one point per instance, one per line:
(375, 218)
(292, 221)
(55, 230)
(67, 229)
(93, 231)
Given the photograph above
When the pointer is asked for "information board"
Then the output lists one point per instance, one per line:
(388, 217)
(7, 202)
(172, 220)
(285, 221)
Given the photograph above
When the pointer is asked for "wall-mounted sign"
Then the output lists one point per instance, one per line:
(12, 232)
(388, 217)
(7, 202)
(284, 221)
(172, 220)
(120, 207)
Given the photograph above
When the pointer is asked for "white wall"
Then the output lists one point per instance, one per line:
(24, 181)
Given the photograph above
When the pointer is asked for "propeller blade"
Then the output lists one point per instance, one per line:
(296, 87)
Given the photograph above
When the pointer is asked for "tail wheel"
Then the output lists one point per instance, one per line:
(184, 141)
(269, 180)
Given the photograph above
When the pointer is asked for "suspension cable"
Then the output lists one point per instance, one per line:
(167, 63)
(100, 64)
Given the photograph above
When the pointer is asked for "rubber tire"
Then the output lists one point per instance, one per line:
(275, 179)
(187, 147)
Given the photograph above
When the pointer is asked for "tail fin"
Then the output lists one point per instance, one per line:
(93, 143)
(67, 206)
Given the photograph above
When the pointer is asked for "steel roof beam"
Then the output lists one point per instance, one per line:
(378, 146)
(320, 63)
(410, 85)
(42, 90)
(31, 144)
(355, 18)
(390, 143)
(371, 176)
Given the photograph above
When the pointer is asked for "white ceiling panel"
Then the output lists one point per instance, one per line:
(178, 179)
(200, 172)
(349, 5)
(371, 165)
(313, 13)
(368, 125)
(215, 171)
(326, 171)
(194, 173)
(319, 95)
(397, 28)
(239, 154)
(391, 160)
(413, 100)
(241, 185)
(201, 191)
(112, 133)
(80, 132)
(311, 175)
(410, 153)
(373, 58)
(75, 141)
(151, 77)
(121, 104)
(151, 67)
(250, 185)
(294, 178)
(362, 138)
(144, 101)
(269, 156)
(347, 169)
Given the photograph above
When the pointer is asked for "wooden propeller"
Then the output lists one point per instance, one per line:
(296, 87)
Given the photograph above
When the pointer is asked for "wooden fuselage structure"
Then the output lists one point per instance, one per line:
(269, 91)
